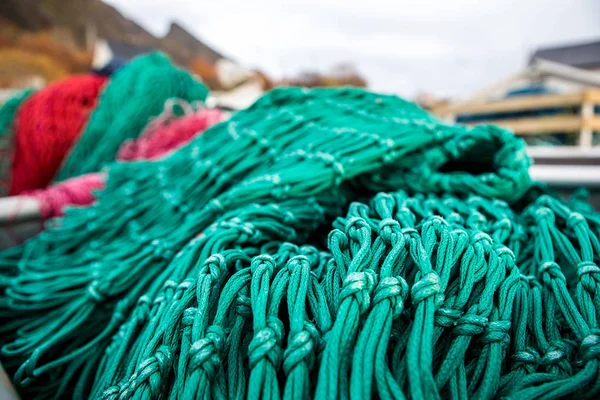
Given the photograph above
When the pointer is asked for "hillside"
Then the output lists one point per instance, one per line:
(80, 17)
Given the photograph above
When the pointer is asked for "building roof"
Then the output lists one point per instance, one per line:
(583, 55)
(126, 51)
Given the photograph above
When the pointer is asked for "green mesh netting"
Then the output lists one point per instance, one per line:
(134, 94)
(260, 262)
(8, 112)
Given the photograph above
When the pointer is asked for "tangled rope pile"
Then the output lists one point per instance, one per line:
(7, 119)
(214, 273)
(135, 94)
(164, 134)
(47, 125)
(76, 126)
(169, 131)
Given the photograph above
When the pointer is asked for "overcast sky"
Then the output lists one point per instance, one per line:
(449, 48)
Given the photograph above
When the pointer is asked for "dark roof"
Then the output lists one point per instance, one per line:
(183, 37)
(126, 51)
(584, 55)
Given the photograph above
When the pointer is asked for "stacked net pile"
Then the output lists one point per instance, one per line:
(7, 119)
(260, 261)
(162, 135)
(47, 124)
(76, 126)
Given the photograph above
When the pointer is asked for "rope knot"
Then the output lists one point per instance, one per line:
(437, 220)
(393, 288)
(529, 280)
(243, 305)
(301, 348)
(296, 262)
(447, 317)
(530, 358)
(587, 267)
(505, 253)
(410, 232)
(481, 237)
(215, 206)
(359, 286)
(152, 371)
(551, 270)
(354, 224)
(503, 224)
(387, 228)
(574, 219)
(265, 343)
(189, 314)
(544, 214)
(161, 250)
(589, 349)
(113, 392)
(94, 292)
(496, 331)
(215, 265)
(470, 325)
(206, 352)
(264, 261)
(455, 218)
(290, 248)
(281, 192)
(427, 286)
(553, 357)
(143, 308)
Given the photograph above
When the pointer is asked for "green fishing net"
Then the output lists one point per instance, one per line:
(134, 94)
(320, 244)
(8, 112)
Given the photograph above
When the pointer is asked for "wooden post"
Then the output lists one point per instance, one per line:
(586, 133)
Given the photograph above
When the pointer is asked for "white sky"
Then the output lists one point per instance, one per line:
(448, 48)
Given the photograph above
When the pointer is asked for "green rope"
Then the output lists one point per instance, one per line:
(215, 273)
(8, 112)
(134, 94)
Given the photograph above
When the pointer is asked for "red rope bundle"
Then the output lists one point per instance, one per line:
(167, 135)
(47, 124)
